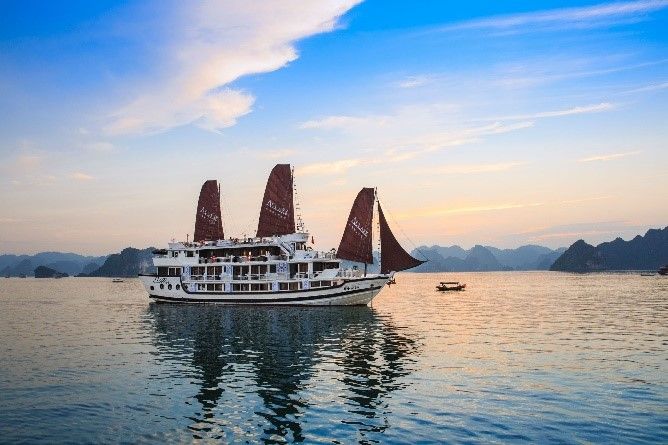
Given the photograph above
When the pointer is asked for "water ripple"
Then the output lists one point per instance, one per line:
(518, 357)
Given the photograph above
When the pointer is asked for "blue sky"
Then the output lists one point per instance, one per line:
(499, 123)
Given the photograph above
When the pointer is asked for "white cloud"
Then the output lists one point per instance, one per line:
(331, 168)
(476, 168)
(100, 147)
(415, 81)
(581, 17)
(609, 157)
(653, 87)
(276, 154)
(440, 211)
(29, 161)
(596, 108)
(208, 46)
(79, 176)
(344, 122)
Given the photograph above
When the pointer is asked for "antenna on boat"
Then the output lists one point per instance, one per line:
(298, 210)
(375, 191)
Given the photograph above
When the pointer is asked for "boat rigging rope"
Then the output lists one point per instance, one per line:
(396, 223)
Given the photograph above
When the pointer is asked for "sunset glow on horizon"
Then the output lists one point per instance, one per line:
(495, 123)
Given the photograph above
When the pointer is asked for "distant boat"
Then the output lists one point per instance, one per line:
(663, 270)
(450, 285)
(647, 274)
(117, 280)
(22, 275)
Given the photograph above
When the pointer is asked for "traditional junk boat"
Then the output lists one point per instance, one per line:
(276, 266)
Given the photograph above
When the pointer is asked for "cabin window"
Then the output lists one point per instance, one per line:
(292, 285)
(178, 286)
(190, 253)
(162, 286)
(169, 286)
(214, 271)
(163, 271)
(174, 271)
(272, 268)
(210, 287)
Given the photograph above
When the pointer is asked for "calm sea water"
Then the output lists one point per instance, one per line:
(518, 357)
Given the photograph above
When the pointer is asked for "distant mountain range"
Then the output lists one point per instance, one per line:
(485, 258)
(69, 263)
(128, 263)
(647, 252)
(47, 272)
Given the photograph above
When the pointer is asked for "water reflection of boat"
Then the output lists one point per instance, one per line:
(236, 354)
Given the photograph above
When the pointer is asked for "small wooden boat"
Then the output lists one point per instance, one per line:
(647, 274)
(663, 270)
(450, 285)
(117, 280)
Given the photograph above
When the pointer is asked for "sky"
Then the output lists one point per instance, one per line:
(495, 123)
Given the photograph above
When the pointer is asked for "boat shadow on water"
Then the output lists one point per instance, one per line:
(345, 360)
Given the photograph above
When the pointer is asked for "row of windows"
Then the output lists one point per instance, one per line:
(261, 287)
(296, 269)
(169, 271)
(251, 287)
(169, 286)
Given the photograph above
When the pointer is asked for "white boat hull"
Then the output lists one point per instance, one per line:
(351, 292)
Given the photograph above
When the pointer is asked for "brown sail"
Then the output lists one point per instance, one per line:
(277, 214)
(208, 222)
(393, 257)
(356, 241)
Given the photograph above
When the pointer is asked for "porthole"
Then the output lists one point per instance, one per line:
(152, 288)
(162, 286)
(178, 286)
(169, 286)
